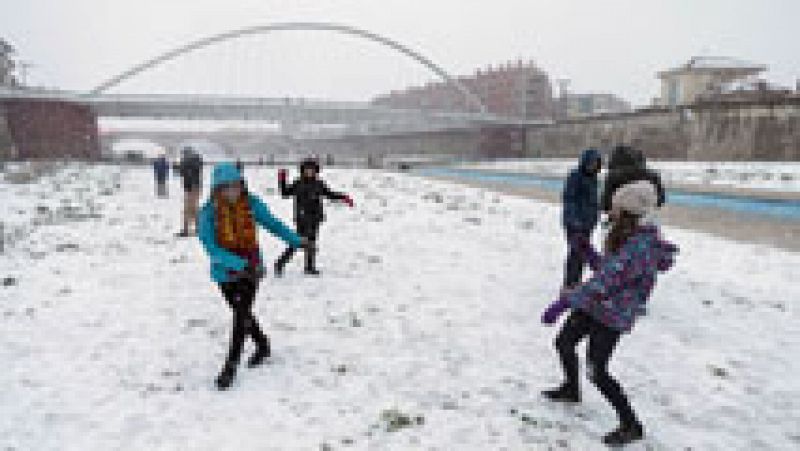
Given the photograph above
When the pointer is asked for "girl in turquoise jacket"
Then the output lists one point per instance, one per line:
(227, 228)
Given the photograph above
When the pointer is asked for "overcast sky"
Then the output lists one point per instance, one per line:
(602, 46)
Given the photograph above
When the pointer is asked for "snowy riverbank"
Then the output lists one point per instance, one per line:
(112, 331)
(758, 176)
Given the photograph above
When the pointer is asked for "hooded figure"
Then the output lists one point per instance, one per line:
(580, 194)
(608, 304)
(308, 191)
(627, 165)
(161, 172)
(580, 211)
(227, 228)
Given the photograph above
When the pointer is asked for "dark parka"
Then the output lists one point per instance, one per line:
(191, 170)
(308, 194)
(580, 195)
(161, 169)
(627, 165)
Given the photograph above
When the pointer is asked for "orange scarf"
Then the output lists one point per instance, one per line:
(235, 227)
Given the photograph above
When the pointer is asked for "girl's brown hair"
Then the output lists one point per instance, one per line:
(622, 228)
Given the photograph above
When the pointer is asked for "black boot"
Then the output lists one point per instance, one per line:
(225, 378)
(624, 434)
(564, 393)
(278, 269)
(262, 352)
(311, 262)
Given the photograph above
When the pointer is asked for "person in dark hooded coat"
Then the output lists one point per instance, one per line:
(626, 165)
(161, 172)
(580, 214)
(308, 191)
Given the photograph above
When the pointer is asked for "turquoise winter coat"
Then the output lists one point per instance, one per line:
(222, 260)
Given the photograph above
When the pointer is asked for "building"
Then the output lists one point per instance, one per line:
(580, 105)
(519, 90)
(7, 64)
(702, 76)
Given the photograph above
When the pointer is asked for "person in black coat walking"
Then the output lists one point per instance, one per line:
(580, 214)
(627, 165)
(161, 172)
(308, 191)
(191, 171)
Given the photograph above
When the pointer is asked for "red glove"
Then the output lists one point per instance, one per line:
(282, 175)
(349, 201)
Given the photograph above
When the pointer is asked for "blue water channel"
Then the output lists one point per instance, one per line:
(775, 208)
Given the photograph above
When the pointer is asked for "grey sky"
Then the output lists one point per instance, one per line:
(602, 46)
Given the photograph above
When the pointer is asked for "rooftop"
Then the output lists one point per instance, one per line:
(698, 63)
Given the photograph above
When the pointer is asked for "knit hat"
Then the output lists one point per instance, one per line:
(638, 198)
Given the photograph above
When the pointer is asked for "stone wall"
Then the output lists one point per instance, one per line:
(746, 131)
(457, 143)
(725, 131)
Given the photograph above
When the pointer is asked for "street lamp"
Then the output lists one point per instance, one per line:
(23, 67)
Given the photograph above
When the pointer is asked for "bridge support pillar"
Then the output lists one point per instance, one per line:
(42, 128)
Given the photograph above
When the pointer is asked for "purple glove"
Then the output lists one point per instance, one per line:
(554, 310)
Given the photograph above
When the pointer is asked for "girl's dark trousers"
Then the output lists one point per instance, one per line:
(239, 295)
(602, 341)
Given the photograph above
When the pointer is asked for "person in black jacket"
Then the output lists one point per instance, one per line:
(161, 171)
(627, 165)
(191, 171)
(308, 191)
(580, 213)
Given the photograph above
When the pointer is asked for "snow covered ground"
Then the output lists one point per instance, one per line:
(775, 176)
(423, 332)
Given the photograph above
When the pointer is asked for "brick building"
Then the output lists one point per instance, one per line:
(40, 128)
(517, 90)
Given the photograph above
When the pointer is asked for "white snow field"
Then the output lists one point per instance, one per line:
(423, 332)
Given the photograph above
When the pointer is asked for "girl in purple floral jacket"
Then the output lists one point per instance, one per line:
(607, 305)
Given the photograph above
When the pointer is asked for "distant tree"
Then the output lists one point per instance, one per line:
(7, 64)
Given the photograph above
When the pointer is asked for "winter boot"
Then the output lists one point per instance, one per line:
(311, 262)
(564, 393)
(225, 378)
(624, 434)
(262, 352)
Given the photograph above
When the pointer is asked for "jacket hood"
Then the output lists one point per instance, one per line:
(588, 157)
(224, 173)
(626, 156)
(663, 251)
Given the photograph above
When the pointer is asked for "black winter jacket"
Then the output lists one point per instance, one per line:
(628, 165)
(308, 194)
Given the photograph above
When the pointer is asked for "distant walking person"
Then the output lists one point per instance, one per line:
(161, 172)
(228, 232)
(606, 306)
(191, 171)
(581, 211)
(308, 191)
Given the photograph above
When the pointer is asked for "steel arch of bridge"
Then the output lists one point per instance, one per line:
(294, 26)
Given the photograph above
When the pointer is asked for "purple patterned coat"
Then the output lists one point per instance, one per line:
(622, 282)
